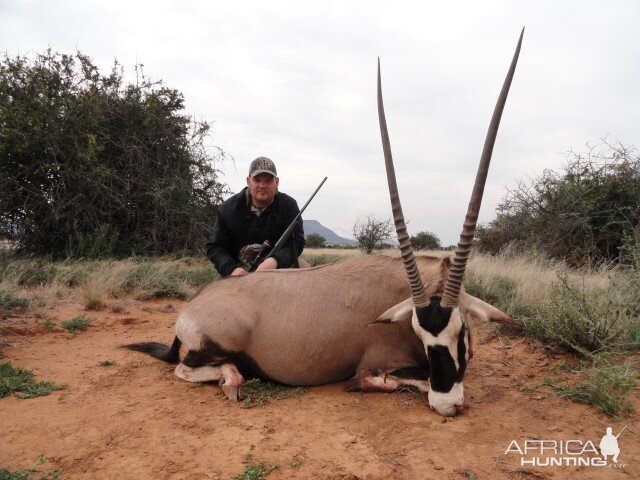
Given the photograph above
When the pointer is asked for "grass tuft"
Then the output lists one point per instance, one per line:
(36, 275)
(255, 471)
(606, 386)
(199, 276)
(48, 323)
(257, 393)
(165, 285)
(21, 383)
(93, 297)
(10, 304)
(324, 259)
(76, 324)
(107, 363)
(93, 303)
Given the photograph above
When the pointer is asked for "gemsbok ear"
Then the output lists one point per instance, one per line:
(485, 312)
(398, 313)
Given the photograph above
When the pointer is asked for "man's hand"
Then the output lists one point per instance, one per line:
(269, 264)
(239, 272)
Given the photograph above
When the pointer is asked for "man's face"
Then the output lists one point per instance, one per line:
(262, 188)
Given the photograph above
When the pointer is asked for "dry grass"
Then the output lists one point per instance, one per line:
(96, 283)
(533, 277)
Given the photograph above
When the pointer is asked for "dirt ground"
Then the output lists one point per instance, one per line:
(136, 420)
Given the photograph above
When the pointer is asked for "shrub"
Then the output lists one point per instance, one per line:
(37, 275)
(370, 231)
(100, 167)
(584, 322)
(76, 324)
(315, 240)
(10, 303)
(425, 241)
(166, 285)
(200, 276)
(587, 213)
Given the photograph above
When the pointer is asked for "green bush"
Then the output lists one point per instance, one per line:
(200, 276)
(584, 322)
(166, 285)
(100, 167)
(76, 324)
(586, 213)
(425, 241)
(10, 303)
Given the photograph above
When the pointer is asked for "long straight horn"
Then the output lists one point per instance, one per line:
(456, 274)
(418, 292)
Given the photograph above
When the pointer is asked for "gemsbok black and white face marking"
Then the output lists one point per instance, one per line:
(446, 340)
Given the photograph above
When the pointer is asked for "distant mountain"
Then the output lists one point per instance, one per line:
(314, 226)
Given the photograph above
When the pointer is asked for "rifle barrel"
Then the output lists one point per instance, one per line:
(289, 229)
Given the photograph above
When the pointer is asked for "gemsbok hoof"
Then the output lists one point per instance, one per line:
(233, 392)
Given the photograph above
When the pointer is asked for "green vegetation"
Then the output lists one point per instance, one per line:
(107, 363)
(255, 471)
(138, 277)
(587, 322)
(198, 277)
(324, 259)
(315, 240)
(21, 383)
(257, 393)
(38, 274)
(606, 386)
(76, 324)
(371, 232)
(10, 303)
(93, 301)
(100, 167)
(425, 241)
(27, 473)
(48, 323)
(567, 313)
(586, 214)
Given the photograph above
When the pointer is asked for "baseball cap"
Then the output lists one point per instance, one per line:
(262, 165)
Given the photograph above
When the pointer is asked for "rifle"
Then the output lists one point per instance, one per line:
(283, 238)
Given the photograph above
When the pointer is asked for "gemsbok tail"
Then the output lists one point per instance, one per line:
(159, 350)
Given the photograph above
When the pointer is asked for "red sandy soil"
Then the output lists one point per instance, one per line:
(136, 420)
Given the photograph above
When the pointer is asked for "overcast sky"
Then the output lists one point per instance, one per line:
(295, 81)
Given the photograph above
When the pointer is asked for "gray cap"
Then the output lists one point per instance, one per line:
(262, 165)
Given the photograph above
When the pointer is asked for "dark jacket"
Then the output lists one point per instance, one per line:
(236, 226)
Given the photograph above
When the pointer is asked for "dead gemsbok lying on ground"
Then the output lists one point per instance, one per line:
(359, 320)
